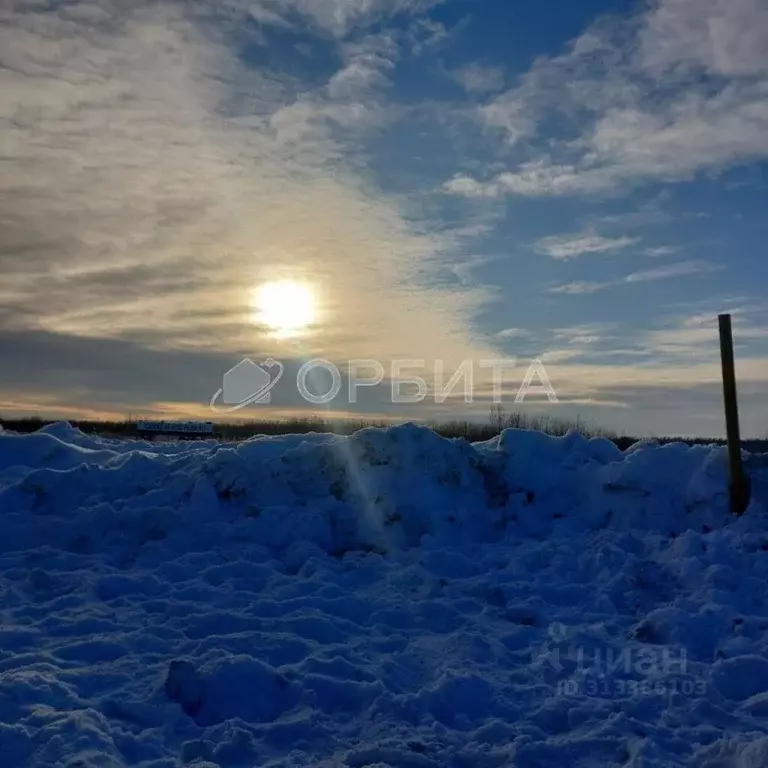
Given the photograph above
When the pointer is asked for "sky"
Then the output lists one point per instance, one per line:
(583, 183)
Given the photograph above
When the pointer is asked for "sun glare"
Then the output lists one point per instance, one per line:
(287, 307)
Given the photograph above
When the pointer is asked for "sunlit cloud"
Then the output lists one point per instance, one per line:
(150, 205)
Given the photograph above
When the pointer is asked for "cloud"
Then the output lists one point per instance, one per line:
(512, 333)
(680, 269)
(479, 79)
(363, 71)
(709, 317)
(468, 187)
(720, 38)
(588, 333)
(673, 379)
(697, 336)
(563, 247)
(152, 178)
(645, 215)
(662, 250)
(335, 17)
(663, 96)
(580, 287)
(63, 375)
(574, 343)
(661, 379)
(350, 106)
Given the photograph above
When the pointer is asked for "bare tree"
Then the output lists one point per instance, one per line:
(497, 417)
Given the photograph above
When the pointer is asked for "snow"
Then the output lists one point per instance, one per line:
(392, 598)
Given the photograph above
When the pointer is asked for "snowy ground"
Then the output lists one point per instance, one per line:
(388, 599)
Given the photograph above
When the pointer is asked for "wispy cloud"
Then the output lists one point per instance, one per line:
(477, 78)
(698, 337)
(580, 287)
(563, 247)
(335, 17)
(662, 250)
(680, 269)
(646, 215)
(512, 333)
(588, 333)
(662, 96)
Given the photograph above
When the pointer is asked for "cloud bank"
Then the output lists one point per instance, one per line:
(153, 177)
(675, 91)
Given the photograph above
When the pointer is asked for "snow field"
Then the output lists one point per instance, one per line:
(388, 599)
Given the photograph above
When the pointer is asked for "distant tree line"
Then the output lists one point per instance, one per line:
(473, 431)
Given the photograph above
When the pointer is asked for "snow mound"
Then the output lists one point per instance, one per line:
(391, 598)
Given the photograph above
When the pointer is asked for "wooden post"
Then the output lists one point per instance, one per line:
(739, 488)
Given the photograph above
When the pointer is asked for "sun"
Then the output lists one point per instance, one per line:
(287, 306)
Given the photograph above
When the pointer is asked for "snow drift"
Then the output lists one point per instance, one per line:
(390, 598)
